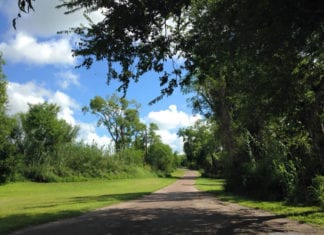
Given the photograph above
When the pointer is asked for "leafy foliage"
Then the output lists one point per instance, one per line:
(43, 133)
(161, 158)
(317, 190)
(201, 148)
(121, 121)
(7, 148)
(248, 67)
(135, 36)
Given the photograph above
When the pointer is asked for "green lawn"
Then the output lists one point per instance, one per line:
(311, 215)
(23, 204)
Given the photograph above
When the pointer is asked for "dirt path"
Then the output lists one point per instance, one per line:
(177, 209)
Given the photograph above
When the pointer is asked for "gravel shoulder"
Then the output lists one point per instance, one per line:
(177, 209)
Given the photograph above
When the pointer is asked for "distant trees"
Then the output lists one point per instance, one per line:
(121, 118)
(202, 147)
(39, 146)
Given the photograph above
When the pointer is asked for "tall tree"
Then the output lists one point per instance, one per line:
(7, 148)
(43, 133)
(152, 135)
(3, 86)
(119, 117)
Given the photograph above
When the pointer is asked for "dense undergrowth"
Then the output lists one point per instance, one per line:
(80, 162)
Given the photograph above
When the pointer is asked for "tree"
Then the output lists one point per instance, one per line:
(262, 66)
(161, 158)
(121, 121)
(152, 136)
(43, 133)
(3, 90)
(136, 36)
(202, 147)
(7, 148)
(24, 6)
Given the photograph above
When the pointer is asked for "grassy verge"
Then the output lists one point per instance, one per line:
(311, 215)
(25, 204)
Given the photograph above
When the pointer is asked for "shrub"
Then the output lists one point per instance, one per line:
(81, 160)
(131, 156)
(161, 158)
(271, 178)
(316, 191)
(40, 173)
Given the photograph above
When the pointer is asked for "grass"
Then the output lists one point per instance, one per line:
(24, 204)
(312, 215)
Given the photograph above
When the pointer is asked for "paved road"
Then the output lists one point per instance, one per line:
(177, 209)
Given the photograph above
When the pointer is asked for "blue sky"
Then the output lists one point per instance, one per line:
(40, 67)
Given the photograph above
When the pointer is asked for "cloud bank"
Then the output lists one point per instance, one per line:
(26, 49)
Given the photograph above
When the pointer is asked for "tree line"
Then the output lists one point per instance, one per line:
(256, 69)
(38, 146)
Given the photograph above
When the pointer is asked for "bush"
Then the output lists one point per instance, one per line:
(40, 173)
(80, 160)
(131, 156)
(161, 158)
(271, 178)
(316, 191)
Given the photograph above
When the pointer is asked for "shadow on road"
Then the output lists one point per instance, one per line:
(158, 221)
(143, 219)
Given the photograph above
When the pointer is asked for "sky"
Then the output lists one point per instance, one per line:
(40, 67)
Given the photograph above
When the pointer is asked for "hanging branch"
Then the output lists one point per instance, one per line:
(24, 6)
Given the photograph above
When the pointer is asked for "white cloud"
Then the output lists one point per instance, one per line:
(88, 135)
(169, 121)
(20, 95)
(26, 49)
(172, 118)
(67, 106)
(171, 139)
(35, 41)
(67, 79)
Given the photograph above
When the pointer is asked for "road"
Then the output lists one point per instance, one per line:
(177, 209)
